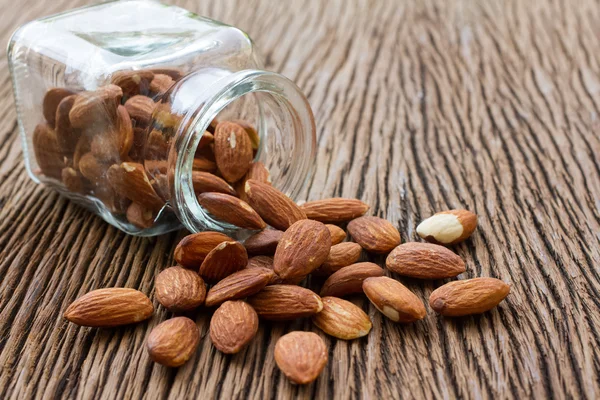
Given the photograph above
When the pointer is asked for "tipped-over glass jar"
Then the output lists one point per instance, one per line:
(136, 110)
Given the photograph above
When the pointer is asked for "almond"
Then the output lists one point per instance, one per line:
(92, 169)
(233, 150)
(223, 260)
(424, 261)
(251, 131)
(133, 82)
(205, 182)
(334, 210)
(47, 154)
(267, 262)
(173, 342)
(301, 356)
(374, 234)
(275, 208)
(81, 148)
(338, 235)
(393, 299)
(285, 302)
(232, 210)
(116, 141)
(139, 216)
(239, 285)
(349, 280)
(115, 203)
(204, 164)
(205, 141)
(66, 136)
(161, 83)
(193, 249)
(264, 242)
(448, 227)
(341, 255)
(140, 109)
(302, 249)
(51, 101)
(342, 319)
(468, 296)
(74, 181)
(174, 73)
(130, 180)
(105, 308)
(95, 109)
(257, 172)
(233, 325)
(179, 289)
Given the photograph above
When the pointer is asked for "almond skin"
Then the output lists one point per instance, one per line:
(264, 242)
(393, 299)
(133, 82)
(424, 261)
(66, 135)
(105, 308)
(140, 109)
(51, 101)
(173, 342)
(205, 182)
(239, 285)
(342, 319)
(341, 255)
(233, 326)
(223, 260)
(161, 83)
(193, 249)
(139, 216)
(302, 249)
(374, 234)
(448, 227)
(94, 170)
(338, 235)
(468, 296)
(129, 180)
(265, 262)
(285, 302)
(334, 210)
(349, 280)
(275, 208)
(301, 356)
(251, 131)
(257, 172)
(179, 289)
(95, 108)
(233, 150)
(231, 210)
(47, 154)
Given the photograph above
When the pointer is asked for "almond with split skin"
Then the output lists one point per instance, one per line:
(334, 210)
(239, 285)
(106, 308)
(374, 234)
(193, 249)
(130, 180)
(342, 319)
(394, 299)
(302, 249)
(223, 260)
(349, 280)
(301, 356)
(285, 302)
(233, 150)
(206, 182)
(341, 255)
(173, 342)
(448, 227)
(232, 210)
(179, 289)
(338, 235)
(275, 208)
(264, 242)
(233, 325)
(468, 296)
(424, 261)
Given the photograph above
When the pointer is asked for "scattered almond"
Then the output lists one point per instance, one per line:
(173, 342)
(468, 296)
(206, 182)
(233, 325)
(301, 356)
(264, 242)
(193, 249)
(340, 255)
(223, 260)
(275, 208)
(448, 227)
(232, 210)
(233, 150)
(349, 280)
(334, 210)
(393, 299)
(374, 234)
(239, 285)
(285, 302)
(424, 261)
(179, 289)
(338, 235)
(342, 319)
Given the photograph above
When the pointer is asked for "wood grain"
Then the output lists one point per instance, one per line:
(420, 106)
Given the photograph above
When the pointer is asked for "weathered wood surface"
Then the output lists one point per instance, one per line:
(420, 106)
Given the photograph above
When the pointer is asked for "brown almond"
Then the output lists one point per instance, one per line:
(92, 169)
(257, 172)
(173, 342)
(260, 262)
(193, 249)
(374, 234)
(115, 203)
(448, 227)
(116, 141)
(342, 319)
(285, 302)
(264, 242)
(233, 150)
(95, 109)
(349, 280)
(74, 181)
(66, 136)
(204, 164)
(275, 208)
(52, 99)
(232, 210)
(139, 216)
(140, 109)
(179, 289)
(394, 299)
(223, 260)
(105, 308)
(251, 131)
(130, 180)
(233, 325)
(205, 182)
(334, 210)
(173, 72)
(133, 82)
(302, 249)
(338, 235)
(468, 296)
(205, 141)
(340, 256)
(301, 356)
(424, 261)
(47, 154)
(239, 285)
(161, 83)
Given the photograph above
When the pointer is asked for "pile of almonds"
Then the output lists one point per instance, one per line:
(259, 280)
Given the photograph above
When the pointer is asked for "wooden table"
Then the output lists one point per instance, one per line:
(420, 106)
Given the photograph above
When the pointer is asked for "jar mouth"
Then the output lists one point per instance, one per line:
(288, 141)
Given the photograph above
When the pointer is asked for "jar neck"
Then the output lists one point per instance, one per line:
(283, 119)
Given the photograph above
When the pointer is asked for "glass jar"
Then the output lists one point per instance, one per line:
(119, 105)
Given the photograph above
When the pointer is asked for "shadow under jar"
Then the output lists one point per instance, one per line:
(119, 105)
